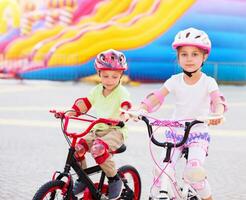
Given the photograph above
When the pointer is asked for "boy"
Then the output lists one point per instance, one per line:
(107, 98)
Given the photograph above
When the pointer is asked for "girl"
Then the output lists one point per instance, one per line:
(196, 95)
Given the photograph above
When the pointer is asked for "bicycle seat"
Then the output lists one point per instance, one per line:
(121, 149)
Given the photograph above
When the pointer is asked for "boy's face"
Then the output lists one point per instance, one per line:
(110, 79)
(191, 58)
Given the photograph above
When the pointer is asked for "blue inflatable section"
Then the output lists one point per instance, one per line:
(66, 73)
(227, 31)
(225, 25)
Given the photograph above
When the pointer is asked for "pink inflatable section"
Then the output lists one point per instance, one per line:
(85, 7)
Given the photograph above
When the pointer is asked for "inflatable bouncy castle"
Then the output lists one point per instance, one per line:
(66, 40)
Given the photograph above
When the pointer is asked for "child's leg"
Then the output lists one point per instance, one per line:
(108, 143)
(194, 172)
(114, 139)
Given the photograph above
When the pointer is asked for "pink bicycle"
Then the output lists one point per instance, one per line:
(176, 190)
(61, 185)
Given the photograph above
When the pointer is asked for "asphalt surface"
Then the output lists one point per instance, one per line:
(32, 146)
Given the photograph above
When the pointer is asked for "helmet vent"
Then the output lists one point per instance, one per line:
(121, 58)
(198, 36)
(102, 57)
(187, 34)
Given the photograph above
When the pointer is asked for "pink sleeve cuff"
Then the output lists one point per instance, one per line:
(159, 96)
(147, 102)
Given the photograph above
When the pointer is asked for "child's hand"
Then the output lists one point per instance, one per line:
(215, 119)
(124, 117)
(135, 114)
(70, 113)
(62, 114)
(59, 114)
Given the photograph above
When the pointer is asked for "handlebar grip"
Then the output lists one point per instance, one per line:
(121, 124)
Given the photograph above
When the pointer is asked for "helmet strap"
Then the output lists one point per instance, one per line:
(190, 73)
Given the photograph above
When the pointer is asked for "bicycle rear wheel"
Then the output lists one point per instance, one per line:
(51, 190)
(132, 183)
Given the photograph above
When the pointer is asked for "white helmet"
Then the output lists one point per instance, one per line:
(192, 37)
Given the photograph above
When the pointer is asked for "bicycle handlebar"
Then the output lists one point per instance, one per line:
(188, 126)
(171, 123)
(62, 116)
(169, 145)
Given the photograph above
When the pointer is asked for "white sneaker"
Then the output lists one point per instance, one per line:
(161, 196)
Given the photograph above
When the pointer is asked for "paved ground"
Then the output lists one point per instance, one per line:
(32, 146)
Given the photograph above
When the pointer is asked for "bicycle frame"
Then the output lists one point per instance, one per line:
(176, 193)
(82, 174)
(71, 162)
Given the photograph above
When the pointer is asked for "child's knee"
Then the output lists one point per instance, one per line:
(81, 148)
(195, 174)
(99, 151)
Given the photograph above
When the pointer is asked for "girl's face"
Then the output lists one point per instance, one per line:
(191, 58)
(110, 79)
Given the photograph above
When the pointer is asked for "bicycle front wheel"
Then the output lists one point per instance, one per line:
(132, 183)
(51, 190)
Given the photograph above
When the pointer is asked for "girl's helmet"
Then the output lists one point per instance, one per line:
(192, 37)
(111, 60)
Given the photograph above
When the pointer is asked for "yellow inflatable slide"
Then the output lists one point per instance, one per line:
(9, 15)
(137, 32)
(122, 25)
(105, 11)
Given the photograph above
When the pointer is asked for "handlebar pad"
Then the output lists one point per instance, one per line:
(121, 124)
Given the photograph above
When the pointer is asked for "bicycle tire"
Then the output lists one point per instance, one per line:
(51, 189)
(131, 178)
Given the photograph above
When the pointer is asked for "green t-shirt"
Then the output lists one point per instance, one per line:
(109, 106)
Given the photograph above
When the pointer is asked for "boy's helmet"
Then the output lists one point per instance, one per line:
(111, 60)
(192, 37)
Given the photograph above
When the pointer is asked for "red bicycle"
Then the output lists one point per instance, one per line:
(61, 185)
